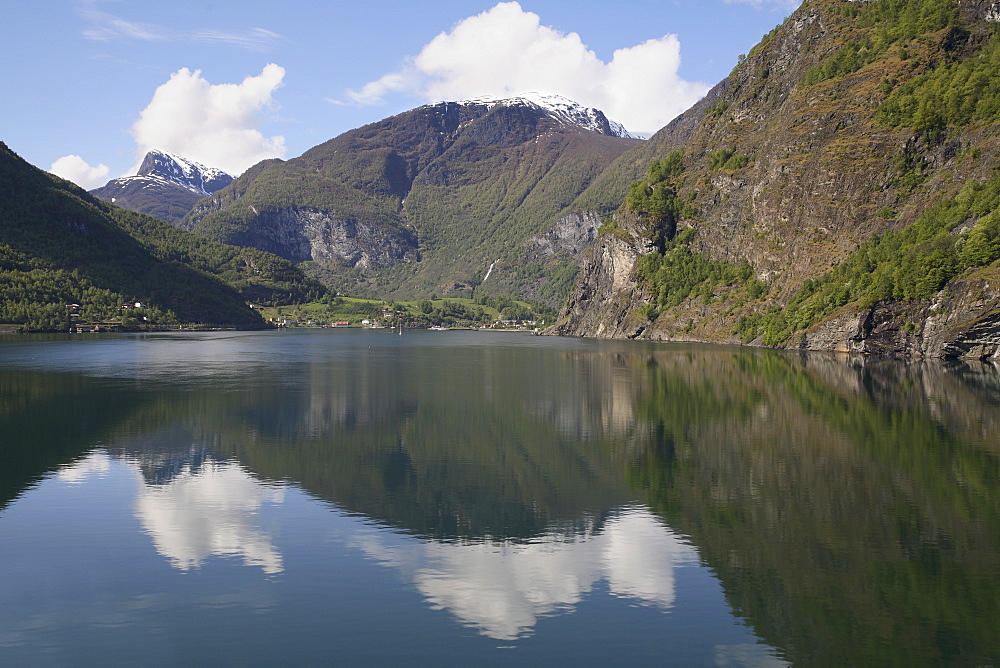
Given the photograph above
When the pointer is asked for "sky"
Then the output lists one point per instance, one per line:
(90, 85)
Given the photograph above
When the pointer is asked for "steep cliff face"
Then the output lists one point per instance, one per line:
(570, 236)
(602, 303)
(818, 155)
(303, 234)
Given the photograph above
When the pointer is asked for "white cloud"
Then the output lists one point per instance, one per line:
(214, 124)
(507, 51)
(256, 38)
(104, 27)
(74, 168)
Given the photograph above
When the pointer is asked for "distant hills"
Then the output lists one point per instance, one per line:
(166, 186)
(60, 246)
(428, 201)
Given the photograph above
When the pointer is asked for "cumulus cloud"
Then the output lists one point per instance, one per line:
(74, 168)
(214, 124)
(507, 51)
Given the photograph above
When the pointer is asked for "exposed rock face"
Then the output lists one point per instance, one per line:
(570, 236)
(964, 321)
(302, 234)
(192, 175)
(961, 321)
(607, 291)
(822, 176)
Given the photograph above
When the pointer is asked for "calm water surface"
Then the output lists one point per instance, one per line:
(458, 498)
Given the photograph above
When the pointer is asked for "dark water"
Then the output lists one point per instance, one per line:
(358, 497)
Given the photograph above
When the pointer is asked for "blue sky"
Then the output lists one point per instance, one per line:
(90, 85)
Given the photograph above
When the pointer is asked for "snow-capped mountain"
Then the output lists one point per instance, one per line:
(449, 189)
(166, 187)
(192, 175)
(562, 109)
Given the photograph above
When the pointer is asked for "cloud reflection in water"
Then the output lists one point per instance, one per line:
(210, 511)
(502, 588)
(499, 587)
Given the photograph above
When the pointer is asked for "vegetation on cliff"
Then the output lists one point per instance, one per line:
(848, 164)
(911, 264)
(674, 273)
(876, 28)
(950, 96)
(949, 238)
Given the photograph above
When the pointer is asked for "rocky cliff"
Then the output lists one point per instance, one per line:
(838, 192)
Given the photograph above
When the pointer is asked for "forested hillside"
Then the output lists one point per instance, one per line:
(61, 246)
(426, 202)
(839, 191)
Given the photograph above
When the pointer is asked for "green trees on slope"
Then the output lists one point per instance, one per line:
(952, 94)
(953, 89)
(907, 265)
(675, 272)
(655, 198)
(60, 246)
(883, 24)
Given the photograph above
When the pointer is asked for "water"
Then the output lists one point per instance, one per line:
(457, 498)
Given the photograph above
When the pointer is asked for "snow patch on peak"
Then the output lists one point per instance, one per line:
(562, 109)
(187, 173)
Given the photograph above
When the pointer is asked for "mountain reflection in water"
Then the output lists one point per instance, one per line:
(848, 508)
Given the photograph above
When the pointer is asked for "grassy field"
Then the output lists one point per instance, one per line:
(451, 312)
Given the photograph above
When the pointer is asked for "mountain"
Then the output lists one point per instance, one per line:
(433, 200)
(60, 246)
(166, 186)
(838, 191)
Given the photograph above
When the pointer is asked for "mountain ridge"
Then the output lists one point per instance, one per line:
(561, 108)
(187, 173)
(425, 201)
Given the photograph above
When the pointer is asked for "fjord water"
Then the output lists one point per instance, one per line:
(347, 496)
